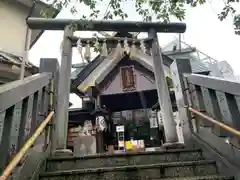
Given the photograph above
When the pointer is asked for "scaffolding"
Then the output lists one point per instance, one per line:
(179, 49)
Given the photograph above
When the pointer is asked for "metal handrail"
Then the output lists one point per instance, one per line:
(214, 121)
(14, 162)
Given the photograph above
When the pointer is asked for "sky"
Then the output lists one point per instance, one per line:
(204, 31)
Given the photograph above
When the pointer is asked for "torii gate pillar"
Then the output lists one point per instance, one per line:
(63, 92)
(162, 90)
(65, 69)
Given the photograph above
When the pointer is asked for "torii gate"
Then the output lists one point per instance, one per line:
(152, 28)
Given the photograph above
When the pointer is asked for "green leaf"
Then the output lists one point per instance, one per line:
(161, 10)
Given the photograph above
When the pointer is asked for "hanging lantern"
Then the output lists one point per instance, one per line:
(79, 48)
(79, 45)
(96, 45)
(87, 53)
(126, 46)
(104, 50)
(119, 49)
(142, 46)
(133, 49)
(61, 46)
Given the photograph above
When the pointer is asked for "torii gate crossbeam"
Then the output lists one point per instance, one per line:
(84, 25)
(66, 63)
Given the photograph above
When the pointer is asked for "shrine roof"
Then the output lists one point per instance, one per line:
(97, 66)
(94, 72)
(8, 58)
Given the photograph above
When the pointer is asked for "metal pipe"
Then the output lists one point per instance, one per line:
(84, 25)
(214, 121)
(25, 56)
(7, 172)
(26, 45)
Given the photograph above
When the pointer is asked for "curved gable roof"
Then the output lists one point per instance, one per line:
(100, 67)
(93, 65)
(85, 72)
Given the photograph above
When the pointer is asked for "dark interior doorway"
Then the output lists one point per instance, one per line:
(130, 100)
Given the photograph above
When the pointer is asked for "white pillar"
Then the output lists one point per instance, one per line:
(64, 91)
(26, 53)
(162, 90)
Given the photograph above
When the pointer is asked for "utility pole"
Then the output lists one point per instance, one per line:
(27, 43)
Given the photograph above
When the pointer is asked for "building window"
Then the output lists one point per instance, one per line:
(128, 78)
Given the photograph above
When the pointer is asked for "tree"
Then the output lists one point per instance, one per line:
(162, 10)
(229, 9)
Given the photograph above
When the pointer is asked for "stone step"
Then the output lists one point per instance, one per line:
(151, 171)
(123, 159)
(216, 177)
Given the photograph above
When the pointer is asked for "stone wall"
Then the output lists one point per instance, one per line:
(83, 139)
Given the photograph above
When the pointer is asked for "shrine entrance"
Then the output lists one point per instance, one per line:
(130, 100)
(149, 45)
(138, 124)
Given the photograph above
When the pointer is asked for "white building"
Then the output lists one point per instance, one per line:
(199, 60)
(13, 33)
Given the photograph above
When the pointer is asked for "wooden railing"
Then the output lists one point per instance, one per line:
(218, 98)
(18, 157)
(208, 107)
(215, 122)
(24, 104)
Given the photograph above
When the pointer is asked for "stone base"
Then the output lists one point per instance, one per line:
(173, 145)
(63, 152)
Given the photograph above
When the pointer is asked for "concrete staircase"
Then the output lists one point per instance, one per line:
(175, 164)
